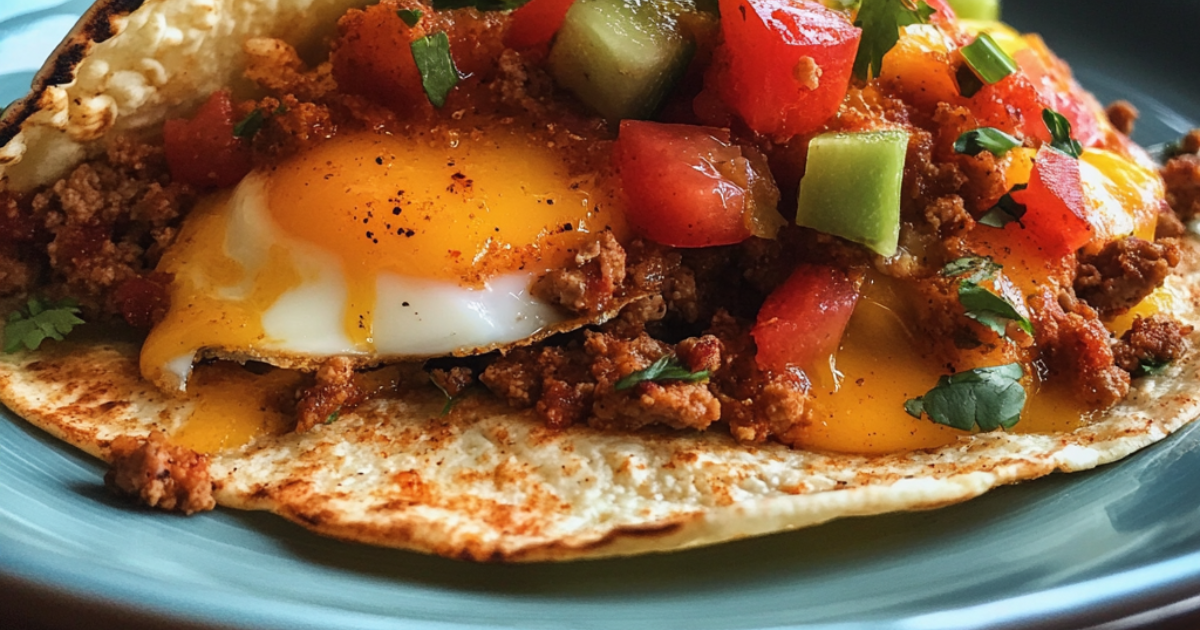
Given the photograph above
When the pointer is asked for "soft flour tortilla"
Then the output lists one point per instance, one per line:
(488, 483)
(484, 483)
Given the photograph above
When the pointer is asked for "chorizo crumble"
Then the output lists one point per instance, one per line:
(158, 474)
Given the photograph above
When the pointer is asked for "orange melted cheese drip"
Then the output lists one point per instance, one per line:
(198, 316)
(233, 406)
(881, 364)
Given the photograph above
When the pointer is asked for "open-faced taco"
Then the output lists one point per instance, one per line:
(563, 279)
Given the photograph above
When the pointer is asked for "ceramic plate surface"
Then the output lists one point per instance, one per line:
(1062, 552)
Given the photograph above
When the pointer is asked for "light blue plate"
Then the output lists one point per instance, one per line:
(1063, 552)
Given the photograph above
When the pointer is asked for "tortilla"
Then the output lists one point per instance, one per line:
(483, 482)
(489, 484)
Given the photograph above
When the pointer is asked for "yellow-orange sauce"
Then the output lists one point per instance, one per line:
(882, 364)
(232, 406)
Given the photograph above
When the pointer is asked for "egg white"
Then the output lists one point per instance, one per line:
(411, 317)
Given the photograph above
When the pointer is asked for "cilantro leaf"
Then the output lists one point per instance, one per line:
(1006, 211)
(1150, 367)
(39, 321)
(988, 139)
(668, 368)
(410, 16)
(438, 72)
(880, 21)
(982, 305)
(331, 418)
(1060, 132)
(990, 309)
(1188, 144)
(250, 125)
(988, 398)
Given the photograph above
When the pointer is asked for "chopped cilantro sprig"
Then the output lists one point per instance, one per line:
(410, 16)
(988, 139)
(988, 398)
(1007, 210)
(439, 75)
(1150, 367)
(880, 21)
(249, 126)
(981, 304)
(666, 369)
(38, 321)
(1060, 132)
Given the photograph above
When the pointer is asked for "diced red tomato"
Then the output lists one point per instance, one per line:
(1056, 210)
(202, 151)
(802, 322)
(1012, 105)
(373, 57)
(944, 13)
(788, 63)
(1052, 80)
(536, 23)
(689, 186)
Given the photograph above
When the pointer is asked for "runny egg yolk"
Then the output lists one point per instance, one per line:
(446, 206)
(380, 246)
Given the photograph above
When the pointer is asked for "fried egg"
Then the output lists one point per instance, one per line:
(381, 247)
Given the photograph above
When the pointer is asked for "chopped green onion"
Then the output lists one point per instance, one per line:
(988, 10)
(989, 139)
(438, 73)
(990, 63)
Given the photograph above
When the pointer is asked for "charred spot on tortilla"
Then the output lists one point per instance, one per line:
(509, 290)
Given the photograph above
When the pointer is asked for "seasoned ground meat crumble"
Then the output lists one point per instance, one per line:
(158, 474)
